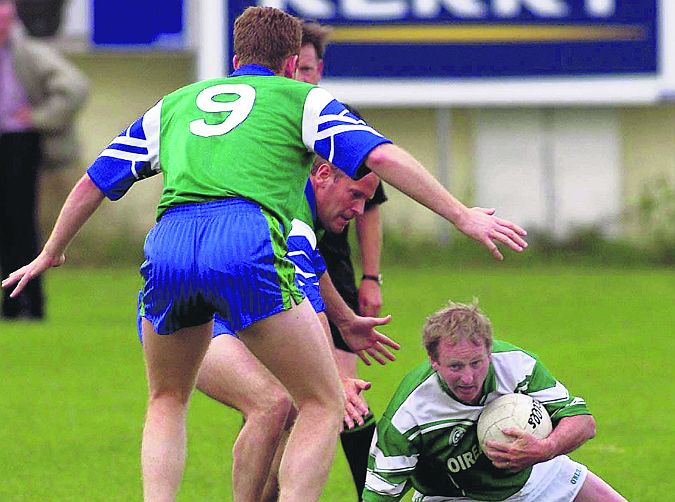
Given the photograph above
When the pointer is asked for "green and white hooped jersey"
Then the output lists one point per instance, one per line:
(251, 135)
(426, 439)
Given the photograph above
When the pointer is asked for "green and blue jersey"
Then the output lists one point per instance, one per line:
(251, 135)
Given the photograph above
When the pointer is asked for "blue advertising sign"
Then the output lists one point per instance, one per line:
(130, 23)
(480, 38)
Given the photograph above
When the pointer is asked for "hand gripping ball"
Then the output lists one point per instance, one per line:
(518, 411)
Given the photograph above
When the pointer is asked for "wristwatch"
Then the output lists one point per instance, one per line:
(377, 278)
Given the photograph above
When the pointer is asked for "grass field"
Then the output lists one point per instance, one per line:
(73, 392)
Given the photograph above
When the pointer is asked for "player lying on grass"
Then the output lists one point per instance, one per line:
(427, 439)
(235, 154)
(233, 376)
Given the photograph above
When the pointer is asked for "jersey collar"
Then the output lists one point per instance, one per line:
(311, 199)
(252, 69)
(490, 383)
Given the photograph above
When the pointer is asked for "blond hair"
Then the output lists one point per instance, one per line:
(457, 322)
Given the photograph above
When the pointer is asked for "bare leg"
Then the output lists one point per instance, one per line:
(346, 363)
(597, 490)
(292, 345)
(232, 375)
(172, 363)
(271, 490)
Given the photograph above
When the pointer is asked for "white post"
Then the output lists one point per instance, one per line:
(443, 163)
(666, 44)
(550, 181)
(211, 38)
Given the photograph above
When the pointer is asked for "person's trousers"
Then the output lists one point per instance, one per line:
(20, 157)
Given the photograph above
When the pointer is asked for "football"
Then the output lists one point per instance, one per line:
(513, 410)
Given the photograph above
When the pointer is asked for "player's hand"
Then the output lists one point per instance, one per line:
(22, 276)
(524, 451)
(361, 336)
(355, 405)
(370, 298)
(483, 226)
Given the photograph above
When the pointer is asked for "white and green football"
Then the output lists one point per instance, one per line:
(518, 411)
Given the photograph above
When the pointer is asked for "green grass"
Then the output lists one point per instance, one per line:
(73, 388)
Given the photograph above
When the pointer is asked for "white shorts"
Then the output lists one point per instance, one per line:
(558, 480)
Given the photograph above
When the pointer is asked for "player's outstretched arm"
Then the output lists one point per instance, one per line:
(358, 332)
(83, 200)
(568, 435)
(369, 237)
(398, 167)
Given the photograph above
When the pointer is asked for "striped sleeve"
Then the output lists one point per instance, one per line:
(302, 252)
(319, 263)
(522, 371)
(554, 395)
(336, 134)
(393, 458)
(130, 157)
(309, 266)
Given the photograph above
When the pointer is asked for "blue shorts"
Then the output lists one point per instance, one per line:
(309, 266)
(226, 257)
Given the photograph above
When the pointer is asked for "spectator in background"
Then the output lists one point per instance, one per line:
(40, 92)
(365, 300)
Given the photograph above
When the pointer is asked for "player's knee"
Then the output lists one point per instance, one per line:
(334, 397)
(329, 407)
(271, 411)
(595, 489)
(338, 398)
(277, 408)
(166, 401)
(591, 432)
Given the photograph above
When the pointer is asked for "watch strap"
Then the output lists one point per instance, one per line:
(369, 277)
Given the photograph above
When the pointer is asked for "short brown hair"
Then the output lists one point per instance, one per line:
(266, 36)
(319, 161)
(317, 35)
(457, 322)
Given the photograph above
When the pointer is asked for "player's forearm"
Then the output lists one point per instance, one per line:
(569, 434)
(402, 170)
(336, 308)
(369, 236)
(83, 200)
